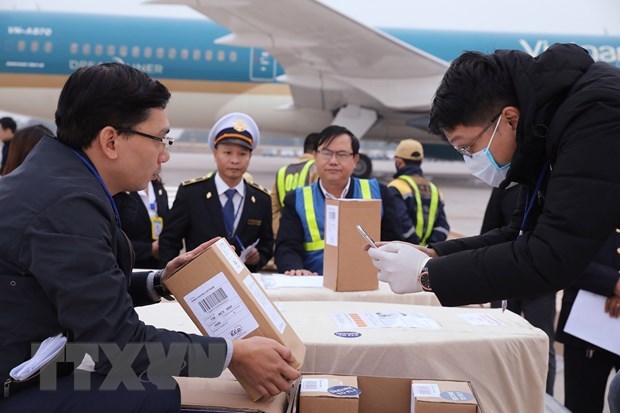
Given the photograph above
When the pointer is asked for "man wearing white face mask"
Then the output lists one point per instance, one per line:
(556, 131)
(481, 164)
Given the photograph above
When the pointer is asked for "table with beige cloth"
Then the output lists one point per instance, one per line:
(506, 361)
(292, 290)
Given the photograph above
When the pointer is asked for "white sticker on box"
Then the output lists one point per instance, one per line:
(230, 255)
(220, 310)
(481, 319)
(425, 390)
(265, 304)
(331, 225)
(313, 385)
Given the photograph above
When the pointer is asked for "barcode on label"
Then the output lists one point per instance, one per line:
(213, 299)
(426, 390)
(332, 214)
(313, 385)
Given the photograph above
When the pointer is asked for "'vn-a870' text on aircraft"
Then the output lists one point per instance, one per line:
(295, 66)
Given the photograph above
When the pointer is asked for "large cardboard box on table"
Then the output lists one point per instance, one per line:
(443, 396)
(328, 393)
(224, 394)
(223, 299)
(346, 266)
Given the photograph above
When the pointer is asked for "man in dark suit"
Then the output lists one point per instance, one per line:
(223, 204)
(143, 215)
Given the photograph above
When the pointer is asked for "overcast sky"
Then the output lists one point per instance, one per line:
(542, 16)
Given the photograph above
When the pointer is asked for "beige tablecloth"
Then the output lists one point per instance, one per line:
(506, 362)
(320, 293)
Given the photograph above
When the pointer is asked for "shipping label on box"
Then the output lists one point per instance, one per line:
(346, 266)
(329, 393)
(223, 299)
(443, 396)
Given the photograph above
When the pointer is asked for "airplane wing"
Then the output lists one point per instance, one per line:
(330, 60)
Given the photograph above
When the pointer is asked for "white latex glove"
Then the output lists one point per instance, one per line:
(399, 265)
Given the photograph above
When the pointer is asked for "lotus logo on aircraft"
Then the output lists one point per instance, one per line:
(604, 53)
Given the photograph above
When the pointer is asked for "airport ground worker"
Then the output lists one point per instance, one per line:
(7, 130)
(424, 201)
(66, 265)
(223, 204)
(300, 239)
(550, 123)
(293, 176)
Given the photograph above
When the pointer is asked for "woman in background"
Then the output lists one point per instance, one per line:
(22, 143)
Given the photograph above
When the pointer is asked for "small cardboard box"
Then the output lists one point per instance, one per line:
(226, 394)
(346, 266)
(443, 396)
(223, 299)
(328, 393)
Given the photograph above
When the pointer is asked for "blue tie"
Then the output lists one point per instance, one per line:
(229, 212)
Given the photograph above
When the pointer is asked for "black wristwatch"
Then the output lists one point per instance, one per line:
(425, 280)
(160, 288)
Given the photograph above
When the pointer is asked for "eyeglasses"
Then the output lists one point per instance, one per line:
(326, 154)
(465, 150)
(166, 140)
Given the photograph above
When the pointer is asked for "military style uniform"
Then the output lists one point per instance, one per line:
(196, 217)
(139, 226)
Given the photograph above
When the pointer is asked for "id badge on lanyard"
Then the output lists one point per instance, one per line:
(157, 224)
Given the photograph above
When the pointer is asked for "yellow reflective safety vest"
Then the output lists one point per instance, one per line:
(310, 207)
(291, 177)
(423, 228)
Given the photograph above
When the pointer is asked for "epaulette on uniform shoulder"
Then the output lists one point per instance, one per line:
(260, 187)
(195, 180)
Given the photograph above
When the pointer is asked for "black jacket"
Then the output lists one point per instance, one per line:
(570, 111)
(65, 266)
(600, 277)
(136, 223)
(196, 217)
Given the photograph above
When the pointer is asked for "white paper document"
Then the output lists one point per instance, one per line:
(384, 320)
(589, 321)
(287, 281)
(244, 252)
(50, 347)
(481, 319)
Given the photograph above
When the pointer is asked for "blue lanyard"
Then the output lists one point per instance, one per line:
(529, 203)
(107, 193)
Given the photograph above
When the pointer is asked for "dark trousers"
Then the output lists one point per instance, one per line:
(539, 312)
(67, 399)
(585, 377)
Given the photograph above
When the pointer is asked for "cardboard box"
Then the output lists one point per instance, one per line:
(328, 393)
(443, 396)
(226, 394)
(346, 266)
(223, 299)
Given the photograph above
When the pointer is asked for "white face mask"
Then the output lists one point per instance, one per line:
(482, 165)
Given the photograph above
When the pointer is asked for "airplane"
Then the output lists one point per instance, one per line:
(295, 66)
